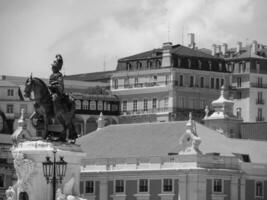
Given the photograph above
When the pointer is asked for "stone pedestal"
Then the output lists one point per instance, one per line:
(28, 161)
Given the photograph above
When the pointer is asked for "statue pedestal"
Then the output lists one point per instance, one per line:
(28, 161)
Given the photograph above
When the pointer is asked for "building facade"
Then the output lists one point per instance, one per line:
(169, 82)
(189, 161)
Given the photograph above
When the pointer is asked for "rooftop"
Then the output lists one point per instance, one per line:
(159, 139)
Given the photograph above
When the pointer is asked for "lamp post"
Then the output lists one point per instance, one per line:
(54, 171)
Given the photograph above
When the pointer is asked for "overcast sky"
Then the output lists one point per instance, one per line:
(90, 33)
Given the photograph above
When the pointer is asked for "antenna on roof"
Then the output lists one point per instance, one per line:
(183, 35)
(168, 31)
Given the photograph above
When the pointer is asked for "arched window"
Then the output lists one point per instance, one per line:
(100, 105)
(85, 105)
(92, 105)
(77, 104)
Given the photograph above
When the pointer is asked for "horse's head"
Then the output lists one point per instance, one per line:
(28, 87)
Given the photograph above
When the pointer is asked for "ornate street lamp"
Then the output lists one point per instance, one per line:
(54, 171)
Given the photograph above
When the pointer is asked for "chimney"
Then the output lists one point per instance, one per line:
(238, 47)
(213, 49)
(191, 41)
(166, 55)
(224, 48)
(254, 47)
(100, 121)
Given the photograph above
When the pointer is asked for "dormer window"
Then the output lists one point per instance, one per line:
(210, 65)
(199, 64)
(220, 66)
(189, 63)
(10, 92)
(179, 62)
(129, 66)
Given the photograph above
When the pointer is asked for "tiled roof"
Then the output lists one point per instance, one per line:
(246, 52)
(159, 139)
(95, 76)
(5, 83)
(176, 49)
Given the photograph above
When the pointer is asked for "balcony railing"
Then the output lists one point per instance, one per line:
(260, 101)
(259, 119)
(148, 111)
(258, 85)
(142, 85)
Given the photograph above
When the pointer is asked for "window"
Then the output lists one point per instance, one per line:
(212, 83)
(259, 100)
(239, 81)
(220, 66)
(9, 108)
(202, 82)
(129, 66)
(181, 80)
(181, 102)
(134, 105)
(100, 105)
(167, 185)
(259, 188)
(115, 83)
(89, 187)
(119, 186)
(199, 64)
(259, 117)
(258, 67)
(2, 180)
(239, 67)
(179, 62)
(114, 107)
(217, 83)
(143, 185)
(136, 82)
(189, 63)
(191, 81)
(92, 105)
(126, 83)
(260, 82)
(107, 106)
(238, 95)
(145, 104)
(124, 106)
(166, 102)
(217, 185)
(85, 105)
(154, 103)
(77, 104)
(10, 92)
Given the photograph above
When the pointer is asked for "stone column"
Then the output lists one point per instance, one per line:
(103, 189)
(234, 188)
(242, 188)
(182, 184)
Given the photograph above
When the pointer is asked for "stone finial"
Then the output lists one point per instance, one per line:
(222, 91)
(21, 122)
(100, 121)
(206, 112)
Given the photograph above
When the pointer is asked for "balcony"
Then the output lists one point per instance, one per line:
(258, 85)
(142, 85)
(260, 102)
(148, 111)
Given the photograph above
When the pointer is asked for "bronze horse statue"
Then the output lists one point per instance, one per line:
(61, 111)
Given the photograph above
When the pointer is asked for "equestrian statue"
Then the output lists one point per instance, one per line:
(54, 110)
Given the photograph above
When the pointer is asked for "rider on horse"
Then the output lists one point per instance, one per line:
(56, 80)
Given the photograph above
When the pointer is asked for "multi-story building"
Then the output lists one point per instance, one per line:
(171, 160)
(169, 81)
(7, 171)
(11, 103)
(249, 78)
